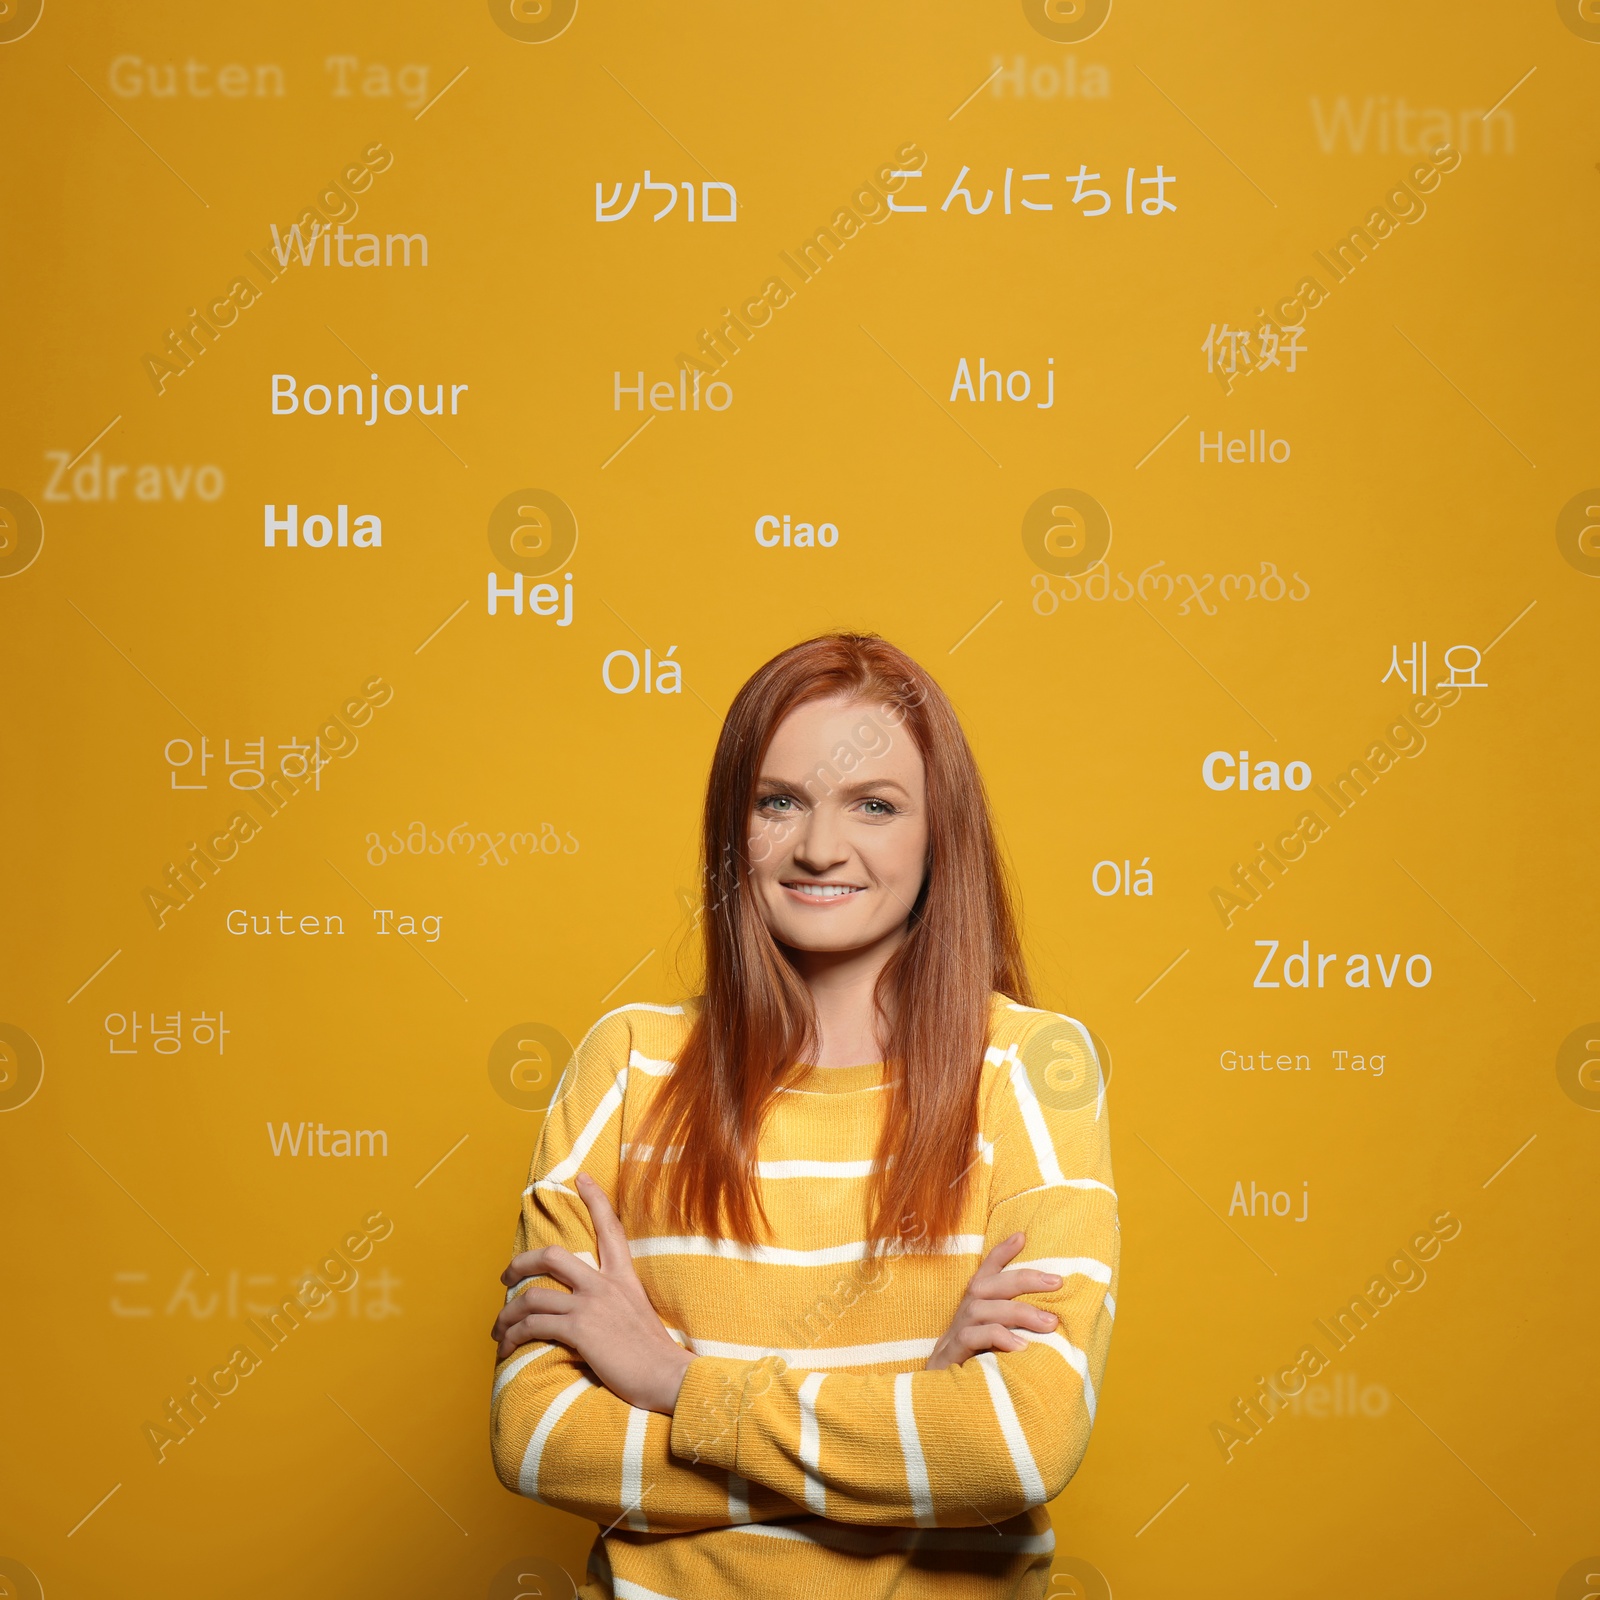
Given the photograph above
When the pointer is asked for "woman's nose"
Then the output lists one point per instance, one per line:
(820, 844)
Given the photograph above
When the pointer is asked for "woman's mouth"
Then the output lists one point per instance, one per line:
(814, 893)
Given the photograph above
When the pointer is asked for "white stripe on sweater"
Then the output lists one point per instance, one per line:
(738, 1498)
(634, 1005)
(871, 1088)
(816, 1360)
(1068, 1266)
(811, 1444)
(627, 1589)
(528, 1476)
(514, 1366)
(816, 1169)
(1067, 1183)
(557, 1176)
(1011, 1429)
(905, 1419)
(649, 1065)
(960, 1244)
(646, 1152)
(633, 1468)
(1099, 1071)
(1074, 1358)
(599, 1022)
(1044, 1152)
(993, 1057)
(872, 1541)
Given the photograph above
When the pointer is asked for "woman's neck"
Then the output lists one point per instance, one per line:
(843, 985)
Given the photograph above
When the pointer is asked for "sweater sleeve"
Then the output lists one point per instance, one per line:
(557, 1435)
(1001, 1433)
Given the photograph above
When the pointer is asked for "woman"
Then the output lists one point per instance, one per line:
(744, 1332)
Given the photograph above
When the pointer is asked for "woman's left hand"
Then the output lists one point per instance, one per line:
(607, 1319)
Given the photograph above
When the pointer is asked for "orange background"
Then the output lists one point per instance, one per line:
(1438, 422)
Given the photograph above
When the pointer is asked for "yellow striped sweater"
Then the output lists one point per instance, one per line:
(811, 1453)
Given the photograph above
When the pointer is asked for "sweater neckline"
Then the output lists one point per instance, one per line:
(811, 1079)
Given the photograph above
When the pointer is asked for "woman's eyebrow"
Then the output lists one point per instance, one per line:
(872, 786)
(820, 781)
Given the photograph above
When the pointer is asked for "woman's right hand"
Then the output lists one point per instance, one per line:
(987, 1316)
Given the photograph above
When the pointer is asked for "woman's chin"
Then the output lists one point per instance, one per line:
(837, 941)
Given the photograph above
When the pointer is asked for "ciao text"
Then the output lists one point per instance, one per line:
(1219, 772)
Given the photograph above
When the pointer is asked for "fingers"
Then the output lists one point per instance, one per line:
(529, 1264)
(1005, 1285)
(550, 1262)
(976, 1337)
(1008, 1314)
(610, 1236)
(547, 1329)
(971, 1339)
(1003, 1252)
(550, 1301)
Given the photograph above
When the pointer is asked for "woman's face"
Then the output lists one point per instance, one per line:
(839, 828)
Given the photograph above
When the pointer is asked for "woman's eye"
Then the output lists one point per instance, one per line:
(777, 802)
(878, 808)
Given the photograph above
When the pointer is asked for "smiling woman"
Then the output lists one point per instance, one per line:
(863, 1085)
(838, 869)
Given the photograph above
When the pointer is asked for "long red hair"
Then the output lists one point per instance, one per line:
(755, 1018)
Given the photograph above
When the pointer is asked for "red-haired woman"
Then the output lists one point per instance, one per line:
(814, 1277)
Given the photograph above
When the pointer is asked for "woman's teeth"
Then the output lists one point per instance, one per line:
(824, 891)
